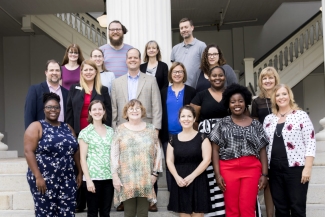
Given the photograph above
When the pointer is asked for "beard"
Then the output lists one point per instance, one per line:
(117, 42)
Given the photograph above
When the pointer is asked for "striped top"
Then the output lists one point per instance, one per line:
(115, 60)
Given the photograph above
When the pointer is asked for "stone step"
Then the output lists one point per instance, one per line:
(13, 182)
(313, 210)
(21, 200)
(13, 166)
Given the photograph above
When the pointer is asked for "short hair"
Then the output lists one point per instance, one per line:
(170, 78)
(189, 108)
(205, 66)
(124, 29)
(97, 81)
(50, 96)
(235, 89)
(132, 103)
(133, 48)
(74, 48)
(51, 61)
(90, 118)
(185, 19)
(268, 71)
(145, 56)
(217, 67)
(103, 64)
(293, 105)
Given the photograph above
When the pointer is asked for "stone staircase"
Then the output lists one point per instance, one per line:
(16, 200)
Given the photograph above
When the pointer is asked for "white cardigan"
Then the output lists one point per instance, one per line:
(298, 135)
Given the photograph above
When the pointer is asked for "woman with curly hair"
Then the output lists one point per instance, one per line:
(239, 154)
(212, 56)
(290, 154)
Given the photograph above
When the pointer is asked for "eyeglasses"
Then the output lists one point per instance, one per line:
(136, 109)
(73, 52)
(49, 108)
(213, 54)
(113, 30)
(178, 72)
(99, 56)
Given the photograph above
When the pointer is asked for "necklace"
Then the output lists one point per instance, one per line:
(276, 131)
(282, 115)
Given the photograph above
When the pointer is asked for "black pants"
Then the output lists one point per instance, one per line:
(101, 200)
(288, 193)
(81, 197)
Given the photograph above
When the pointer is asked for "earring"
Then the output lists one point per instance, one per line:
(229, 112)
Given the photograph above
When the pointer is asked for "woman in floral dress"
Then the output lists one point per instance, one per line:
(51, 152)
(95, 145)
(135, 161)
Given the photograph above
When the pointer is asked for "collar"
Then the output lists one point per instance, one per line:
(137, 76)
(49, 85)
(114, 47)
(190, 44)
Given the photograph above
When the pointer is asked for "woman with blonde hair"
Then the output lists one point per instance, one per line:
(81, 94)
(290, 153)
(71, 65)
(261, 107)
(106, 76)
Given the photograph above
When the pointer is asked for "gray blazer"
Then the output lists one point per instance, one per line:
(147, 92)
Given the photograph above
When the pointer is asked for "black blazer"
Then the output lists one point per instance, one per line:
(76, 101)
(34, 107)
(161, 74)
(189, 94)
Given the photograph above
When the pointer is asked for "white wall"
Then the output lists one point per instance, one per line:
(24, 64)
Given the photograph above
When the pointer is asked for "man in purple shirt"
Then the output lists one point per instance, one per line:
(34, 108)
(115, 52)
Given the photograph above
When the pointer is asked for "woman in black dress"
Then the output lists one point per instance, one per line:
(187, 160)
(261, 107)
(212, 56)
(208, 105)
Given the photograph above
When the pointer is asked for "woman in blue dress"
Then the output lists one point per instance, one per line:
(51, 152)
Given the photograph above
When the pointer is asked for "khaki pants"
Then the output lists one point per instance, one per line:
(136, 207)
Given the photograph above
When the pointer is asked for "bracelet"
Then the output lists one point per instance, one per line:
(265, 175)
(156, 175)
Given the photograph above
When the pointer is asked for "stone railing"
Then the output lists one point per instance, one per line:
(86, 26)
(288, 52)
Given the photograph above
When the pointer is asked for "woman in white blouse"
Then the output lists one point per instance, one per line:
(290, 154)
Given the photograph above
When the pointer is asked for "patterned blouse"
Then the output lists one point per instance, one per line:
(236, 141)
(135, 155)
(298, 135)
(98, 156)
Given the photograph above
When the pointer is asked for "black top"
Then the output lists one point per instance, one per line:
(189, 93)
(76, 101)
(202, 83)
(187, 157)
(161, 74)
(210, 108)
(261, 107)
(278, 147)
(236, 141)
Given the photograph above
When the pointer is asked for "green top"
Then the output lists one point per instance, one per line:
(99, 152)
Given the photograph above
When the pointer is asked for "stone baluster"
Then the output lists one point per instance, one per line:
(76, 22)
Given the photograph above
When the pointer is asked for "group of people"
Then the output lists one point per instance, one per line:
(105, 124)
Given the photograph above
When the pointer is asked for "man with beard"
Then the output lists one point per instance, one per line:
(34, 108)
(115, 52)
(188, 52)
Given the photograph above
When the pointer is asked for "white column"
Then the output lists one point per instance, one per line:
(249, 71)
(145, 20)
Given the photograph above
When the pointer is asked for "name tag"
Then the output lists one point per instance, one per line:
(79, 88)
